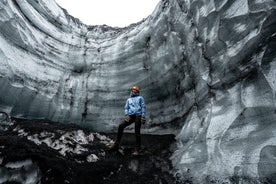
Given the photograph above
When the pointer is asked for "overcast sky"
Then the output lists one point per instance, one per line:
(118, 13)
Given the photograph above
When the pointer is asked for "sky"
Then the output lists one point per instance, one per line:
(115, 13)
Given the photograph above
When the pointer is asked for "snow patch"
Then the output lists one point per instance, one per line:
(73, 142)
(92, 158)
(19, 164)
(104, 139)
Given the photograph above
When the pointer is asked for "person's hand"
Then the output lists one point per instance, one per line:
(143, 120)
(127, 118)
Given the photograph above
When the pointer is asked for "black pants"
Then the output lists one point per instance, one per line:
(122, 126)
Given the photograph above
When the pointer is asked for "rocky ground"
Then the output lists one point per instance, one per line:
(39, 151)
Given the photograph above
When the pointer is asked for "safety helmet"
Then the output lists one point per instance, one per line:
(135, 89)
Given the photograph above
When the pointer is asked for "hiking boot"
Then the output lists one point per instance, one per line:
(135, 152)
(114, 147)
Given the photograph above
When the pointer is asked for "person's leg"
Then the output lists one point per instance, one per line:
(137, 131)
(121, 128)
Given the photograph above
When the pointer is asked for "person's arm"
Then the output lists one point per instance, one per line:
(143, 107)
(126, 108)
(127, 117)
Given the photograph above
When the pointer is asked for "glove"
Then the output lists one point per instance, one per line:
(143, 120)
(127, 118)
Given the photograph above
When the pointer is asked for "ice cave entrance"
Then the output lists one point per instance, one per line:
(115, 13)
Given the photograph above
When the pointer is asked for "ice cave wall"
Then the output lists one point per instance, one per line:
(54, 67)
(207, 69)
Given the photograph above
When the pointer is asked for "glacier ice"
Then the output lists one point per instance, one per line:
(207, 70)
(24, 171)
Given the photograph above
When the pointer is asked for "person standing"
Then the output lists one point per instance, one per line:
(135, 112)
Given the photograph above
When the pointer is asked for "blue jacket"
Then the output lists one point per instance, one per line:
(135, 105)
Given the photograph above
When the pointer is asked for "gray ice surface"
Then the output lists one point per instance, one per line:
(207, 70)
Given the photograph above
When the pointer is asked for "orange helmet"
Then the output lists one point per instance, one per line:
(135, 89)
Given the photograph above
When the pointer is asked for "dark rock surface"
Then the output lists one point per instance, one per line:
(25, 161)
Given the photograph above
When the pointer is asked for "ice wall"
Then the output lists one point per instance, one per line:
(207, 69)
(54, 67)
